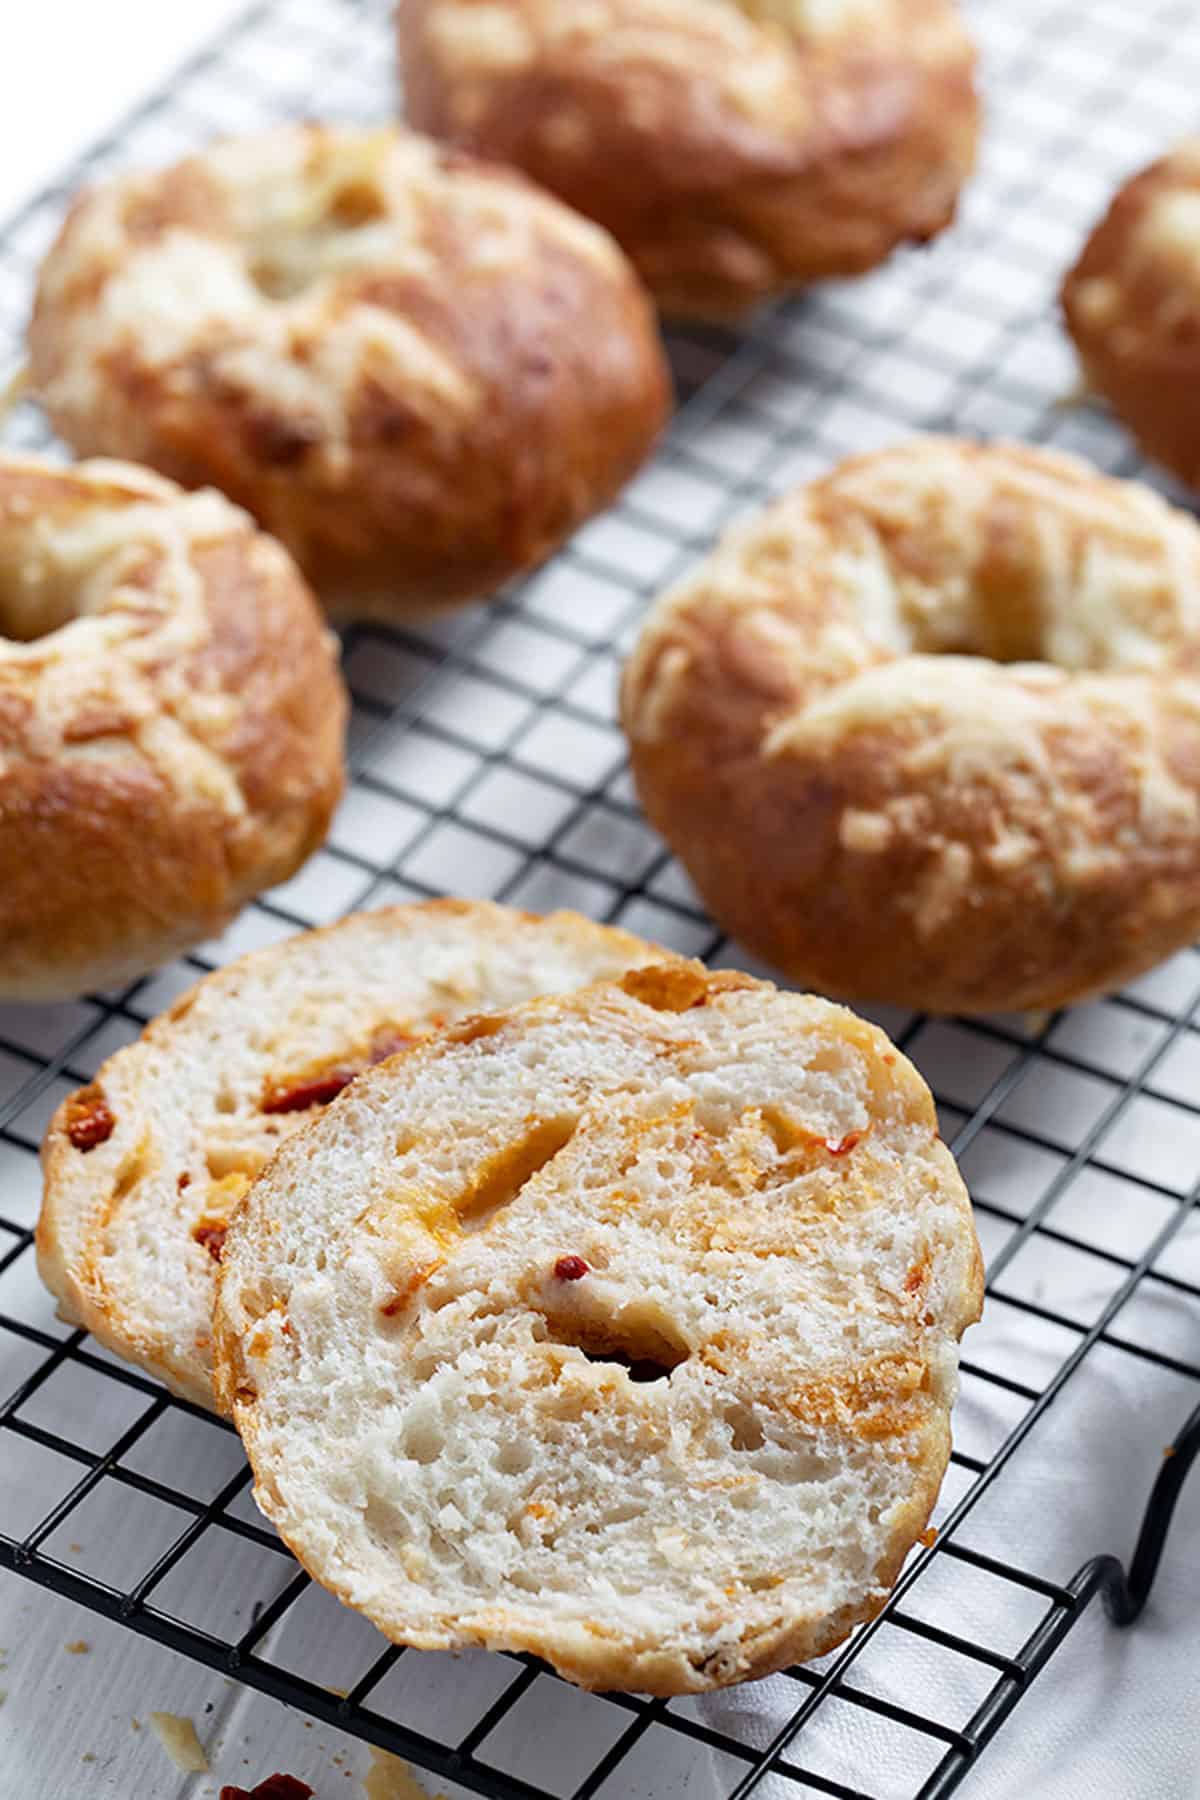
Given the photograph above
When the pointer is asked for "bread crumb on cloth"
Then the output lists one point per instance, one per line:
(177, 1735)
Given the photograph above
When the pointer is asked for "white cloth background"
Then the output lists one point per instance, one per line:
(70, 69)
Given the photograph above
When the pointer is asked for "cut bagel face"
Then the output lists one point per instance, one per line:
(144, 1168)
(620, 1328)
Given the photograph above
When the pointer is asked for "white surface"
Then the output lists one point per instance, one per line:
(69, 68)
(1117, 1715)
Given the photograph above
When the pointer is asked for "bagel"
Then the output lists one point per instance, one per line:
(620, 1328)
(415, 370)
(171, 722)
(735, 148)
(928, 731)
(1132, 305)
(144, 1166)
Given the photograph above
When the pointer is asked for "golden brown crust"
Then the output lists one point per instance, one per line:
(1132, 305)
(732, 156)
(823, 727)
(416, 371)
(170, 722)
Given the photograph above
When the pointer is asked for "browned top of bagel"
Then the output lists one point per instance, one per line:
(170, 721)
(1132, 305)
(929, 729)
(417, 371)
(734, 147)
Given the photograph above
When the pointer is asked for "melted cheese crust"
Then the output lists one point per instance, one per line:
(976, 669)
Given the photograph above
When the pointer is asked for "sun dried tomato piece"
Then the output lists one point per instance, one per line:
(840, 1146)
(571, 1268)
(327, 1084)
(317, 1090)
(275, 1787)
(89, 1121)
(213, 1239)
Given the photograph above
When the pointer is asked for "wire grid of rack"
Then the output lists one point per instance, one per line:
(486, 761)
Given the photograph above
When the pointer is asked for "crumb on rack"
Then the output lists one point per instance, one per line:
(77, 1647)
(177, 1735)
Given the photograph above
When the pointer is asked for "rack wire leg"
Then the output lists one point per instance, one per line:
(1124, 1594)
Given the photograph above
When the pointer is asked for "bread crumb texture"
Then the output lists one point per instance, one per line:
(700, 1457)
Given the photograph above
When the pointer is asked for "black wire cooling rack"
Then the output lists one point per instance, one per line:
(486, 761)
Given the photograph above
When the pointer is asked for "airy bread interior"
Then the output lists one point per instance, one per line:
(621, 1328)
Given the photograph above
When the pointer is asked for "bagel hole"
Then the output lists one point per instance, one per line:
(648, 1349)
(1009, 613)
(639, 1368)
(288, 258)
(35, 601)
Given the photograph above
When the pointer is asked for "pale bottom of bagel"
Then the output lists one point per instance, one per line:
(62, 956)
(25, 981)
(133, 1223)
(621, 1328)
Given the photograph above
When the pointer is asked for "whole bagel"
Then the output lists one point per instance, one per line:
(415, 370)
(1132, 305)
(170, 722)
(928, 731)
(736, 148)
